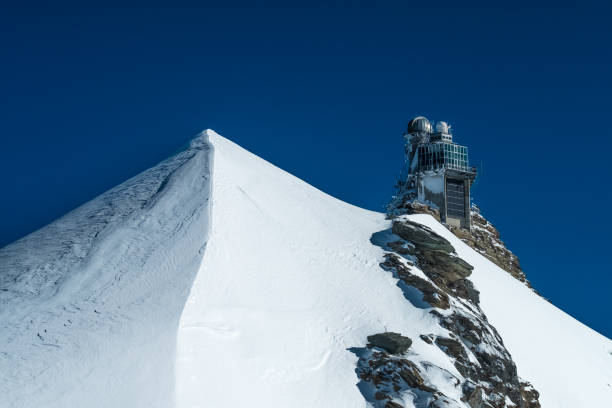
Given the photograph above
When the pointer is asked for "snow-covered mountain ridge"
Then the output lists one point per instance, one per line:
(90, 304)
(216, 279)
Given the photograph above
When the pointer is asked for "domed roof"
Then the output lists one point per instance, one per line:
(442, 127)
(420, 124)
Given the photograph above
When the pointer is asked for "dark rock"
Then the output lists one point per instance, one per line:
(477, 399)
(410, 374)
(394, 343)
(436, 260)
(401, 247)
(449, 273)
(443, 265)
(380, 395)
(416, 207)
(451, 347)
(431, 294)
(406, 203)
(436, 313)
(464, 288)
(426, 339)
(468, 329)
(485, 239)
(391, 376)
(486, 384)
(422, 237)
(529, 395)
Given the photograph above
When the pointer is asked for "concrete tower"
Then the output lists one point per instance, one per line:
(439, 170)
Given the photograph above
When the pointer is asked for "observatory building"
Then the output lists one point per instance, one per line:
(439, 170)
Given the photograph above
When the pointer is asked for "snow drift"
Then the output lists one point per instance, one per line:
(228, 282)
(90, 304)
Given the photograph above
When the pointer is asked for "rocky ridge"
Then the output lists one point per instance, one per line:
(485, 377)
(483, 238)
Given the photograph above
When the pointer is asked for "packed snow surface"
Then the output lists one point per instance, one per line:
(216, 279)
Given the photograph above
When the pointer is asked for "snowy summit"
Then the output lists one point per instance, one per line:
(216, 279)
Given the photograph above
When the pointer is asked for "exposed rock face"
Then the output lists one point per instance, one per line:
(437, 260)
(485, 239)
(421, 237)
(477, 399)
(405, 202)
(530, 395)
(488, 376)
(431, 294)
(388, 376)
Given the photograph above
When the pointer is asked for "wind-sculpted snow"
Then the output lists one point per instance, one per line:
(231, 283)
(289, 284)
(90, 304)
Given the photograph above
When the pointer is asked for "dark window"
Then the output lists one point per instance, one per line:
(455, 198)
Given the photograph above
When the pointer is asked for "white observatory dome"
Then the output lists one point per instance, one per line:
(443, 127)
(420, 124)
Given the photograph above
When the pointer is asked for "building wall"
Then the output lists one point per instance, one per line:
(454, 220)
(431, 190)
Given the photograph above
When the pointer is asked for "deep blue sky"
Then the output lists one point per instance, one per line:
(93, 95)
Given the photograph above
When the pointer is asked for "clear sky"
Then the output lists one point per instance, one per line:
(93, 95)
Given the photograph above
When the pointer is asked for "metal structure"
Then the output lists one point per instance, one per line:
(439, 170)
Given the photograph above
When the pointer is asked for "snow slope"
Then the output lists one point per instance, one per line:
(290, 281)
(89, 305)
(566, 361)
(152, 296)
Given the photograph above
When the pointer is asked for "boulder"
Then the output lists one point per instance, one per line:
(394, 343)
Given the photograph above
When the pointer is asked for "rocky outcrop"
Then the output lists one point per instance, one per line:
(530, 395)
(394, 343)
(405, 202)
(485, 239)
(437, 260)
(386, 377)
(422, 237)
(431, 293)
(488, 378)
